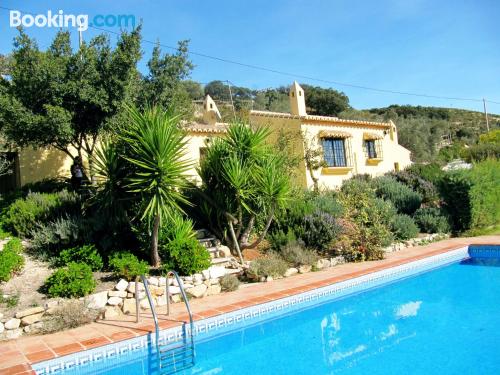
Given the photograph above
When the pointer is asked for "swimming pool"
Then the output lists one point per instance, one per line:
(438, 316)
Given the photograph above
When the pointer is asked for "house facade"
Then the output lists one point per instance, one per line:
(336, 148)
(341, 148)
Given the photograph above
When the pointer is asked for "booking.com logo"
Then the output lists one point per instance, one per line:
(80, 21)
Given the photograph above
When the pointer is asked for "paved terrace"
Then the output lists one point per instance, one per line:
(16, 356)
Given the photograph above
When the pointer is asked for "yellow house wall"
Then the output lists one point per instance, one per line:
(195, 141)
(38, 164)
(391, 151)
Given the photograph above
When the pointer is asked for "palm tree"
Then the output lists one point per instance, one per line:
(157, 153)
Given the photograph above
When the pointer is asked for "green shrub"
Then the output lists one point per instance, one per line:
(126, 265)
(430, 172)
(308, 217)
(403, 227)
(75, 280)
(71, 314)
(364, 226)
(25, 213)
(318, 230)
(180, 250)
(296, 255)
(278, 239)
(404, 198)
(431, 220)
(271, 265)
(49, 238)
(229, 283)
(358, 243)
(81, 254)
(428, 191)
(485, 194)
(455, 189)
(10, 259)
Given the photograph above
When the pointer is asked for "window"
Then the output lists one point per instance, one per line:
(370, 149)
(334, 152)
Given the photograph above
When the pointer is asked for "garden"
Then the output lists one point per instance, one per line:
(137, 213)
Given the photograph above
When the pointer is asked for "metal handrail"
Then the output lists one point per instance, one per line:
(153, 311)
(152, 305)
(184, 297)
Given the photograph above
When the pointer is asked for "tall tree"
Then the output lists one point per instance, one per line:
(325, 102)
(163, 85)
(64, 98)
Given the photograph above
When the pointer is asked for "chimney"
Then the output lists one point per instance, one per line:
(211, 113)
(297, 100)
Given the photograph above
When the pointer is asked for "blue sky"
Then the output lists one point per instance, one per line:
(445, 48)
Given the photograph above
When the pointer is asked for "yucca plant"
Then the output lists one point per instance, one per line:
(246, 183)
(110, 172)
(157, 153)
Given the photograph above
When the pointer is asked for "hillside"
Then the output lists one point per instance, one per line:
(426, 130)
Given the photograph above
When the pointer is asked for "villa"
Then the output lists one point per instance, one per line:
(344, 147)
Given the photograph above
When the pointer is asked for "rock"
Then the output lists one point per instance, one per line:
(117, 293)
(12, 323)
(198, 283)
(214, 281)
(337, 260)
(305, 268)
(198, 278)
(145, 304)
(1, 328)
(1, 316)
(115, 301)
(176, 298)
(112, 312)
(188, 278)
(162, 281)
(291, 271)
(122, 285)
(174, 290)
(175, 282)
(205, 274)
(30, 319)
(130, 295)
(213, 289)
(31, 311)
(51, 304)
(157, 290)
(131, 287)
(269, 278)
(129, 306)
(322, 263)
(13, 333)
(197, 291)
(97, 301)
(153, 281)
(216, 271)
(161, 300)
(225, 250)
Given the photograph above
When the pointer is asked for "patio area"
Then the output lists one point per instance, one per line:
(17, 355)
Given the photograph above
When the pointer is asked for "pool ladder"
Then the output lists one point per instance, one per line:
(178, 355)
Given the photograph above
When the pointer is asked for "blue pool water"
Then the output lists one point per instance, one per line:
(446, 321)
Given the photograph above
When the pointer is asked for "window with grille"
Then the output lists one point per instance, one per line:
(336, 152)
(373, 149)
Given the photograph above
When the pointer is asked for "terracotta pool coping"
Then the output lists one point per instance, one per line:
(16, 356)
